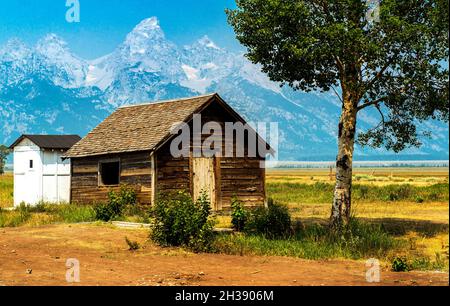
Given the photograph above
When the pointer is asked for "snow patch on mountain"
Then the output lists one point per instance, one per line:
(205, 41)
(56, 59)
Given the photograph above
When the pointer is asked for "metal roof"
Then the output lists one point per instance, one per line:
(63, 142)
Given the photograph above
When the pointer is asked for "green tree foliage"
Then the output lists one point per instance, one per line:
(4, 152)
(393, 59)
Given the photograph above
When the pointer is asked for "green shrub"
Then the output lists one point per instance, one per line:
(239, 215)
(104, 212)
(271, 222)
(127, 196)
(179, 221)
(400, 264)
(419, 200)
(117, 202)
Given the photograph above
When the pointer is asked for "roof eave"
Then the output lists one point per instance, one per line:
(72, 156)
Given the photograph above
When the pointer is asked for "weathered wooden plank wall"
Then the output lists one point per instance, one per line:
(242, 177)
(172, 173)
(136, 171)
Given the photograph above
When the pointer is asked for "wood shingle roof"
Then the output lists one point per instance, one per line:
(138, 127)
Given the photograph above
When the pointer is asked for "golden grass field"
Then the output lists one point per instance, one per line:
(376, 176)
(431, 211)
(6, 190)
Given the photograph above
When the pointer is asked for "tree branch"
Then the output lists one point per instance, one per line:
(380, 73)
(370, 103)
(337, 94)
(383, 121)
(340, 67)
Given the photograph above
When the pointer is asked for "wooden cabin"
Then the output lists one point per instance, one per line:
(133, 147)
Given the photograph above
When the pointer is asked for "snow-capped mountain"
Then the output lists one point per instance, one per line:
(48, 89)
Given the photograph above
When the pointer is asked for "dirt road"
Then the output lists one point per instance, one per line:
(37, 256)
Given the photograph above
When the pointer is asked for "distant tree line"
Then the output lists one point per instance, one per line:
(4, 152)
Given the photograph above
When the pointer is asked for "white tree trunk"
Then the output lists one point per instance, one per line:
(341, 208)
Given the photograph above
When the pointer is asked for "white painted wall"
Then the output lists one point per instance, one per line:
(27, 181)
(55, 177)
(48, 180)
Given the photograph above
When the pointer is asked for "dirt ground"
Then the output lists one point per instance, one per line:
(37, 256)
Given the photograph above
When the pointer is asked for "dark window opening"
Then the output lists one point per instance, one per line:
(31, 164)
(110, 173)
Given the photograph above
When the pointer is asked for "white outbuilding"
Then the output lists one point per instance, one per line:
(40, 174)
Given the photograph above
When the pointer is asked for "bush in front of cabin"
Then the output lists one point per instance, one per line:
(272, 222)
(180, 221)
(239, 214)
(103, 212)
(117, 202)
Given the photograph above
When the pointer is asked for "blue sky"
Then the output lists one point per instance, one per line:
(104, 24)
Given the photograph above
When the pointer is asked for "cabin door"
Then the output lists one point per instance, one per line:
(204, 179)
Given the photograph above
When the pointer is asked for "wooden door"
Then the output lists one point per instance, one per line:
(204, 179)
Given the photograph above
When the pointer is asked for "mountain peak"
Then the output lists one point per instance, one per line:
(148, 27)
(52, 38)
(14, 48)
(148, 24)
(147, 31)
(14, 41)
(51, 45)
(207, 42)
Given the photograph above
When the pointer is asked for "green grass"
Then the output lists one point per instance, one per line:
(319, 192)
(45, 214)
(426, 264)
(71, 213)
(361, 240)
(314, 242)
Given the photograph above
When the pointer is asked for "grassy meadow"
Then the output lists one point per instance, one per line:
(46, 214)
(399, 213)
(390, 193)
